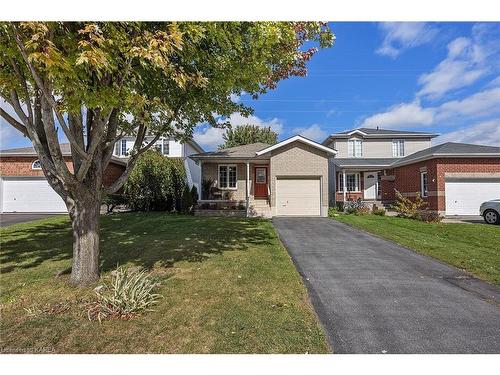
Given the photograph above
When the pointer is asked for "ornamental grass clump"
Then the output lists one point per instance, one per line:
(130, 293)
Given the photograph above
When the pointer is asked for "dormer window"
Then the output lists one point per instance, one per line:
(355, 148)
(398, 148)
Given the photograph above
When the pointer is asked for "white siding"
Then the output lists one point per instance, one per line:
(382, 148)
(193, 170)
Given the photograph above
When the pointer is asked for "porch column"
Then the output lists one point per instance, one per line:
(344, 184)
(248, 188)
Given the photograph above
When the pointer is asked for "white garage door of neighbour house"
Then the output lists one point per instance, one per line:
(465, 195)
(298, 197)
(30, 194)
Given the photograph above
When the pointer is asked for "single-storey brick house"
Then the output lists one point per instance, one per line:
(24, 188)
(289, 178)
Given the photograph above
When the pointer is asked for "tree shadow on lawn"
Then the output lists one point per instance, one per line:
(139, 239)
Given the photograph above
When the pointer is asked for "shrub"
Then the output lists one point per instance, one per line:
(130, 293)
(429, 216)
(113, 200)
(194, 195)
(407, 207)
(362, 210)
(187, 200)
(332, 212)
(339, 206)
(156, 183)
(379, 212)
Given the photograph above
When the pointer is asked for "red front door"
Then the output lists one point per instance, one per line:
(260, 182)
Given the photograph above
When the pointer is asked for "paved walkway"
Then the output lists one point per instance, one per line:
(373, 296)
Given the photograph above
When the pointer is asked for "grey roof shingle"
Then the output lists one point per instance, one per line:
(28, 151)
(371, 131)
(65, 149)
(237, 152)
(450, 149)
(363, 162)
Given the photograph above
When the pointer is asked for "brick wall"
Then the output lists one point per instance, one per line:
(20, 166)
(299, 159)
(407, 178)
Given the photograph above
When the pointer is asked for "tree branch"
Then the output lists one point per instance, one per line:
(16, 124)
(50, 99)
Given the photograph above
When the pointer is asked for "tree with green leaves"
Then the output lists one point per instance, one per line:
(96, 82)
(247, 134)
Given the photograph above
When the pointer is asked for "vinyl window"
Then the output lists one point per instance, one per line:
(398, 148)
(352, 182)
(424, 192)
(355, 148)
(227, 177)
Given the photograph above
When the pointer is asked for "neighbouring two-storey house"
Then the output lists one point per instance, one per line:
(170, 148)
(372, 164)
(363, 155)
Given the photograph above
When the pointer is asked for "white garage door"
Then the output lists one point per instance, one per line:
(298, 197)
(464, 196)
(30, 194)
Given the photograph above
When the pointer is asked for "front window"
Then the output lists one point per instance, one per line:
(352, 182)
(355, 148)
(123, 147)
(398, 148)
(227, 176)
(166, 148)
(36, 164)
(423, 184)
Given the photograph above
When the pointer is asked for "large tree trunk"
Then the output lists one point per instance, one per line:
(85, 215)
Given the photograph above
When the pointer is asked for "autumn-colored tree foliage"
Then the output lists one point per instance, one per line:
(98, 81)
(247, 134)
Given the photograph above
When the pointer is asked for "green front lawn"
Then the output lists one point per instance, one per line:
(473, 247)
(228, 286)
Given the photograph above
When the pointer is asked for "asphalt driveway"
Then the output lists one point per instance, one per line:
(373, 296)
(16, 218)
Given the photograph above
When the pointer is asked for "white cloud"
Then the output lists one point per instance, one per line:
(313, 132)
(485, 102)
(400, 116)
(403, 35)
(484, 133)
(209, 137)
(468, 60)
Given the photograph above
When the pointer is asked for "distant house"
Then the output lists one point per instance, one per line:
(23, 187)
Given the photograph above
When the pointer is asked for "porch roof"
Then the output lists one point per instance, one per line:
(363, 163)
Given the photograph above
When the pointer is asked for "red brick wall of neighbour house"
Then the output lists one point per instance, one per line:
(20, 166)
(387, 187)
(350, 195)
(463, 165)
(407, 181)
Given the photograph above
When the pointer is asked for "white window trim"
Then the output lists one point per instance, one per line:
(422, 189)
(354, 140)
(122, 142)
(218, 176)
(396, 148)
(340, 187)
(36, 168)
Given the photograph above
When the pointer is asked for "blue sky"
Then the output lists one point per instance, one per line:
(439, 77)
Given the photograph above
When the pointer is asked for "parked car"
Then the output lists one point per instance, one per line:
(490, 211)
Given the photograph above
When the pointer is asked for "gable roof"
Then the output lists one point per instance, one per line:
(237, 152)
(297, 138)
(65, 150)
(449, 150)
(379, 133)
